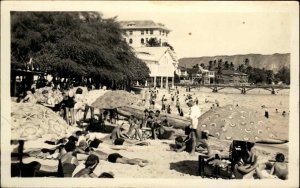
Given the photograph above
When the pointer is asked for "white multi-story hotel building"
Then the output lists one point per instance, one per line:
(161, 60)
(138, 32)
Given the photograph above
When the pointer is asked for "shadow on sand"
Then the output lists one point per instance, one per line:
(186, 167)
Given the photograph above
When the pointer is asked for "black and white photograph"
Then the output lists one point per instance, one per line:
(149, 94)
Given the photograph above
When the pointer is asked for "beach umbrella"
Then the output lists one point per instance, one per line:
(236, 123)
(92, 95)
(32, 121)
(115, 99)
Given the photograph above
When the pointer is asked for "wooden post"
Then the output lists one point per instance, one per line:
(161, 82)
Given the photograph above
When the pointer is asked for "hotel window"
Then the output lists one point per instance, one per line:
(130, 41)
(151, 32)
(142, 41)
(146, 31)
(142, 32)
(130, 32)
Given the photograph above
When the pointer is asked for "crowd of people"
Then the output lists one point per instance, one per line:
(73, 106)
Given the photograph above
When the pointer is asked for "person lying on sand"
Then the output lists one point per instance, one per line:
(52, 153)
(117, 158)
(114, 158)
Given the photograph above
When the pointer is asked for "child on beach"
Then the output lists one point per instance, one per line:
(280, 168)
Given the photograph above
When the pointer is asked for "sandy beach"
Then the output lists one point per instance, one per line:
(164, 163)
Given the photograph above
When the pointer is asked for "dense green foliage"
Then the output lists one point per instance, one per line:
(73, 44)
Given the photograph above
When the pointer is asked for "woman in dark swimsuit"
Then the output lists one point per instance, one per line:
(69, 106)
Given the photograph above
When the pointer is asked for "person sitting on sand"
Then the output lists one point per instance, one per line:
(67, 161)
(164, 130)
(155, 124)
(244, 159)
(187, 144)
(280, 168)
(145, 118)
(118, 132)
(283, 113)
(134, 129)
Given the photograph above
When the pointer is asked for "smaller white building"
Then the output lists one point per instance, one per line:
(162, 62)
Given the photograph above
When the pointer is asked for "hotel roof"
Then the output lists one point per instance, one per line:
(153, 53)
(142, 24)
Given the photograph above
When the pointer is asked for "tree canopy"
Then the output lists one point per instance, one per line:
(72, 44)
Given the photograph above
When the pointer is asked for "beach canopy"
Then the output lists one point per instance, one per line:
(115, 99)
(236, 123)
(93, 95)
(33, 121)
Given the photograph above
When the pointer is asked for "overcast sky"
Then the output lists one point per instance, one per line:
(207, 29)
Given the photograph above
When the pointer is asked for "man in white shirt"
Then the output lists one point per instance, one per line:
(195, 113)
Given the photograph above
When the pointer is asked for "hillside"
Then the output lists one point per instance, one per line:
(274, 61)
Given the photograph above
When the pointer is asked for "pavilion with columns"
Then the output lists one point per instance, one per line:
(162, 63)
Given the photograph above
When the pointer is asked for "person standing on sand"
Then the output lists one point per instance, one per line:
(195, 113)
(266, 113)
(88, 105)
(217, 103)
(196, 101)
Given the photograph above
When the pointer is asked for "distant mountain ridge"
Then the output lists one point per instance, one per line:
(270, 62)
